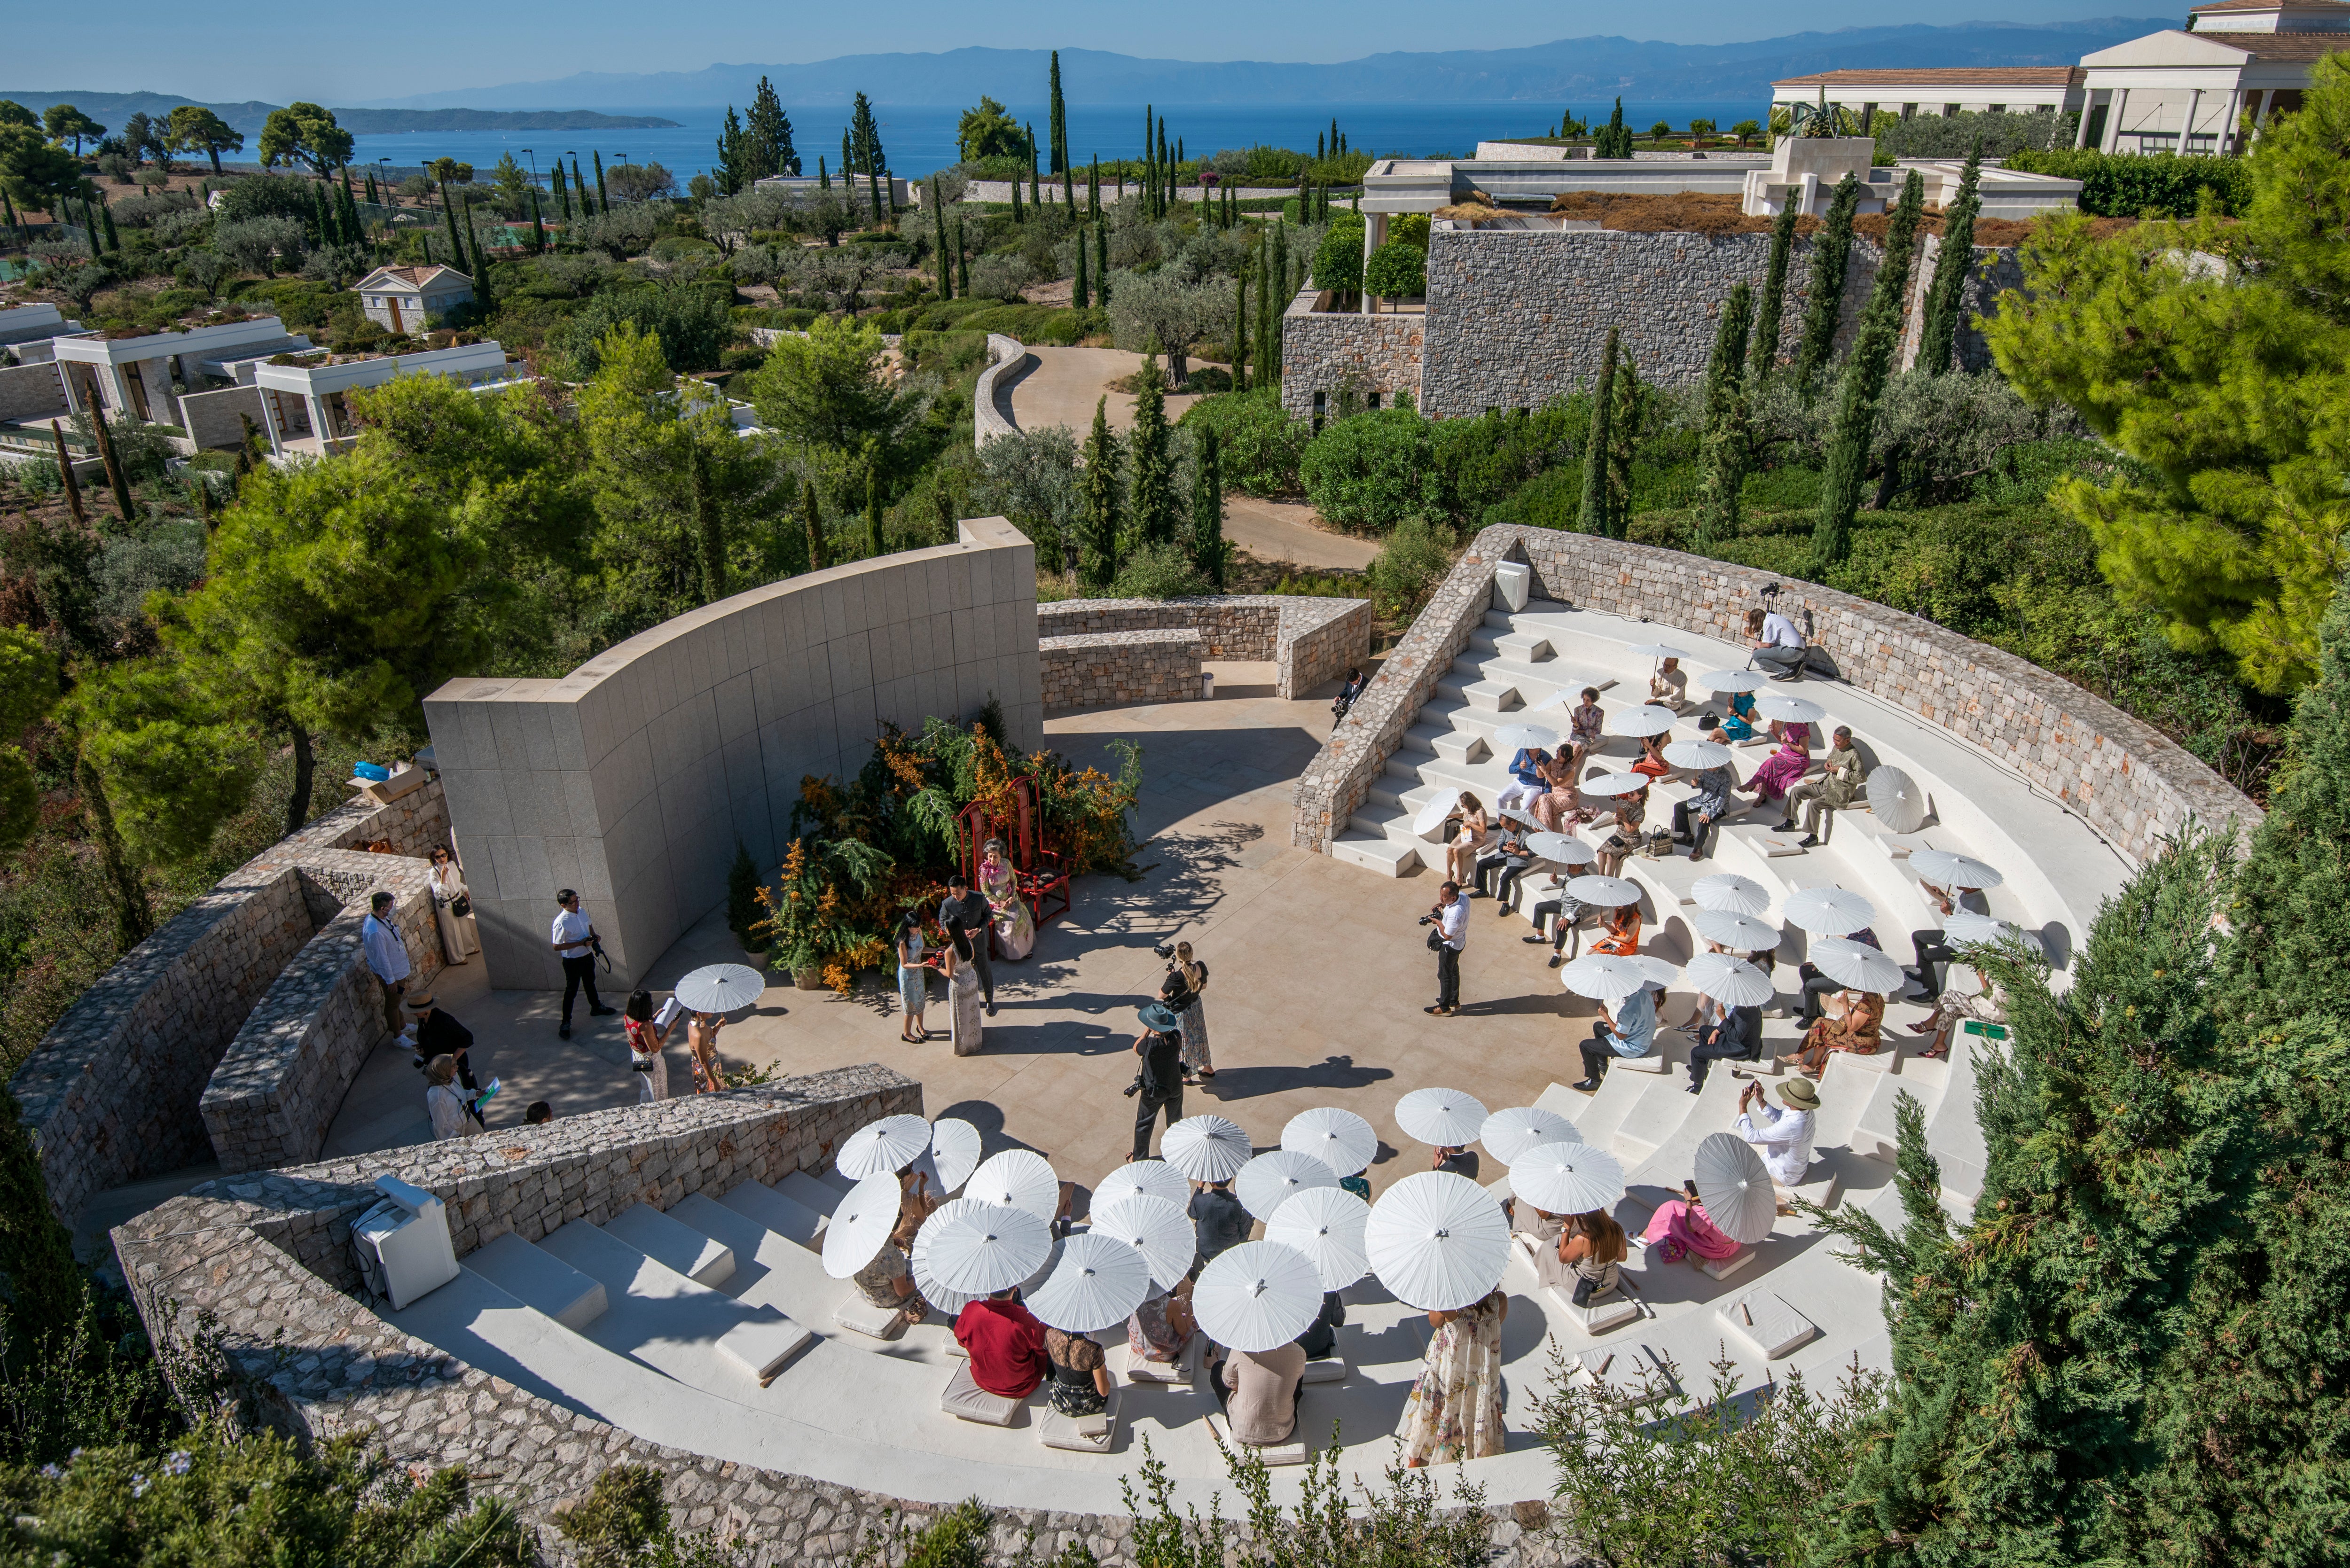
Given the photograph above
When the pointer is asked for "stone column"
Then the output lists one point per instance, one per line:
(2118, 102)
(2186, 126)
(2081, 131)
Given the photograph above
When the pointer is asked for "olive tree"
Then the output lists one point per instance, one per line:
(1161, 307)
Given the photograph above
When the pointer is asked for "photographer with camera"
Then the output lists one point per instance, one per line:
(576, 944)
(1160, 1082)
(1449, 933)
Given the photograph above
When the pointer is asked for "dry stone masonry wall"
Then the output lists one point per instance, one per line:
(1120, 669)
(1309, 639)
(1328, 351)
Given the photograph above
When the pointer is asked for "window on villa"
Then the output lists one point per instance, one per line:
(1999, 109)
(1950, 108)
(1375, 401)
(1909, 111)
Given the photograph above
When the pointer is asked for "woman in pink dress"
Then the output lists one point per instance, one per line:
(1785, 766)
(1679, 1227)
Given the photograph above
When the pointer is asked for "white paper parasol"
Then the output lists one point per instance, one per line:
(883, 1147)
(1947, 869)
(1734, 680)
(1648, 719)
(1729, 892)
(720, 988)
(1697, 753)
(1568, 694)
(1560, 850)
(1661, 972)
(954, 1151)
(1856, 964)
(1276, 1177)
(1512, 813)
(1603, 892)
(1656, 651)
(1732, 982)
(1742, 933)
(1512, 738)
(1789, 710)
(1895, 799)
(1206, 1148)
(1157, 1229)
(1339, 1139)
(1734, 1188)
(1434, 810)
(1509, 1133)
(1604, 977)
(854, 1234)
(1445, 1118)
(1326, 1225)
(1439, 1242)
(975, 1248)
(1259, 1296)
(1020, 1179)
(1149, 1177)
(1966, 925)
(1098, 1281)
(1567, 1178)
(1612, 784)
(1827, 911)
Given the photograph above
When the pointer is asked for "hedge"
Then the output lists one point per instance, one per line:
(2131, 185)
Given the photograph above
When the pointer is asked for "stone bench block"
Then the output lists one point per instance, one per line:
(677, 1247)
(1491, 696)
(760, 1347)
(1766, 1321)
(1525, 647)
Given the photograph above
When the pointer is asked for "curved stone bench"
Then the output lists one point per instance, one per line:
(1008, 359)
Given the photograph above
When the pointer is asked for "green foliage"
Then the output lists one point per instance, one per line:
(691, 321)
(2137, 184)
(1727, 438)
(177, 760)
(1338, 259)
(36, 173)
(1409, 566)
(1367, 473)
(1831, 250)
(1594, 510)
(1615, 138)
(1864, 382)
(1764, 354)
(28, 689)
(1153, 494)
(987, 131)
(1098, 526)
(1953, 136)
(826, 387)
(1397, 270)
(1939, 341)
(307, 134)
(1158, 571)
(1210, 552)
(1260, 445)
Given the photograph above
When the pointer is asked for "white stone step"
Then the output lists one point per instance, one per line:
(679, 1247)
(1462, 746)
(831, 1177)
(779, 1272)
(539, 1280)
(658, 1316)
(1659, 1177)
(1377, 853)
(1524, 646)
(809, 1193)
(793, 1221)
(1497, 696)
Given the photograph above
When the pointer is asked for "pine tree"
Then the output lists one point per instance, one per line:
(1596, 443)
(1624, 423)
(710, 528)
(814, 514)
(1864, 383)
(1830, 254)
(866, 132)
(1097, 529)
(603, 201)
(767, 137)
(1722, 455)
(939, 221)
(1764, 353)
(874, 545)
(1079, 295)
(1207, 510)
(1154, 467)
(1947, 303)
(1058, 124)
(730, 173)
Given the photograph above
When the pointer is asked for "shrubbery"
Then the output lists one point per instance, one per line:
(1953, 136)
(1261, 444)
(1367, 474)
(2132, 184)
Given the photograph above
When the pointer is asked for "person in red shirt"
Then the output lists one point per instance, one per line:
(1006, 1344)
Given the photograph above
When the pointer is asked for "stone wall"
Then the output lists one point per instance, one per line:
(1325, 351)
(210, 418)
(1308, 638)
(30, 392)
(1120, 669)
(991, 398)
(1996, 267)
(2128, 781)
(117, 1090)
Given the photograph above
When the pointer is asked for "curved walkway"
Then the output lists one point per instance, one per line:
(1062, 386)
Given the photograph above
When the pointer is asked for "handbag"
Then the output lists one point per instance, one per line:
(1584, 1289)
(1435, 938)
(461, 904)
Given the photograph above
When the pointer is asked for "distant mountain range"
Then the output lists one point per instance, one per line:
(1570, 71)
(111, 109)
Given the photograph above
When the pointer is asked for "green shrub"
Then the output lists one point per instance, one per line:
(1159, 572)
(1411, 228)
(267, 196)
(1951, 136)
(1552, 499)
(2132, 184)
(1417, 556)
(1323, 585)
(1368, 472)
(1787, 489)
(1338, 259)
(692, 324)
(1397, 270)
(1259, 443)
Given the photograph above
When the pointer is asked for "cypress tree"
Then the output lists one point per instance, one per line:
(938, 222)
(376, 199)
(874, 543)
(1057, 126)
(1764, 353)
(1035, 187)
(1594, 519)
(1945, 305)
(823, 180)
(1093, 187)
(66, 475)
(562, 193)
(457, 244)
(603, 201)
(873, 184)
(814, 514)
(1068, 189)
(1830, 253)
(1207, 510)
(710, 528)
(8, 211)
(1317, 147)
(1240, 330)
(1623, 442)
(847, 164)
(113, 240)
(537, 229)
(1097, 527)
(1154, 468)
(962, 264)
(1078, 294)
(1015, 201)
(579, 184)
(1864, 384)
(1101, 255)
(1722, 455)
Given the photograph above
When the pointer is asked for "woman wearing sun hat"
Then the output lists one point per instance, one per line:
(1783, 1138)
(1160, 1080)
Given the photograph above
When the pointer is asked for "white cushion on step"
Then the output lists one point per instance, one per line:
(860, 1316)
(1768, 1322)
(1177, 1373)
(1329, 1369)
(761, 1346)
(1654, 1061)
(1289, 1453)
(1722, 1267)
(1079, 1434)
(966, 1400)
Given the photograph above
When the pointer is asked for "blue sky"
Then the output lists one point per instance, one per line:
(340, 53)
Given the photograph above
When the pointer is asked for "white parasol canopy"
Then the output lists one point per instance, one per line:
(1895, 799)
(1734, 680)
(1604, 977)
(1512, 813)
(853, 1236)
(1339, 1139)
(1561, 850)
(1948, 869)
(1656, 651)
(1511, 738)
(1434, 810)
(1206, 1148)
(1966, 925)
(1098, 1281)
(1734, 1188)
(1856, 964)
(974, 1248)
(883, 1147)
(1259, 1296)
(1150, 1178)
(1509, 1133)
(1648, 719)
(1157, 1229)
(1568, 694)
(954, 1151)
(1744, 933)
(720, 988)
(1612, 784)
(1661, 972)
(1732, 982)
(1697, 753)
(1567, 1177)
(1729, 892)
(1445, 1118)
(1829, 911)
(1326, 1225)
(1439, 1242)
(1276, 1177)
(1020, 1179)
(1603, 892)
(1789, 710)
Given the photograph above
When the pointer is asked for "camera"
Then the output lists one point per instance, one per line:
(1134, 1088)
(1428, 920)
(1166, 951)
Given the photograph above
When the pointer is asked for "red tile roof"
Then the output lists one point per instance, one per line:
(2268, 6)
(2280, 46)
(1944, 75)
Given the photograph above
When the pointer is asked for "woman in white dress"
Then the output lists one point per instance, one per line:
(1016, 929)
(444, 1101)
(964, 1021)
(453, 909)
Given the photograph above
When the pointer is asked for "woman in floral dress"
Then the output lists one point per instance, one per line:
(1455, 1409)
(1016, 929)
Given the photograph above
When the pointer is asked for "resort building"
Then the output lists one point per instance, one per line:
(138, 375)
(1964, 89)
(304, 408)
(412, 300)
(2195, 89)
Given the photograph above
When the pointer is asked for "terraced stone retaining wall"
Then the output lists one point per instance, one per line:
(1120, 669)
(1309, 639)
(2132, 784)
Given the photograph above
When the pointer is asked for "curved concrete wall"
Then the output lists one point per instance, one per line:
(1008, 358)
(633, 778)
(2128, 781)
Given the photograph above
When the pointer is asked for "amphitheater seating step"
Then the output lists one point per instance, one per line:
(539, 1280)
(679, 1247)
(831, 1177)
(786, 1217)
(809, 1193)
(966, 1400)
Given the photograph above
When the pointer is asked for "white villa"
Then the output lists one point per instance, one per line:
(412, 298)
(1965, 90)
(304, 410)
(136, 374)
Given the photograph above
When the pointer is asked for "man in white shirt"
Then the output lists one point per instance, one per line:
(387, 958)
(1779, 648)
(1783, 1138)
(573, 940)
(1451, 918)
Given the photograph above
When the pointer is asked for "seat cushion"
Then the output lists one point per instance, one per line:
(1079, 1434)
(1329, 1369)
(1177, 1373)
(1765, 1321)
(1289, 1453)
(966, 1400)
(860, 1316)
(760, 1347)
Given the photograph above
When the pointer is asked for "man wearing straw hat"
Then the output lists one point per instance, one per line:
(1821, 798)
(1160, 1082)
(1783, 1138)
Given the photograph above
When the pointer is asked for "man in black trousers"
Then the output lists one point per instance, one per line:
(1161, 1046)
(964, 910)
